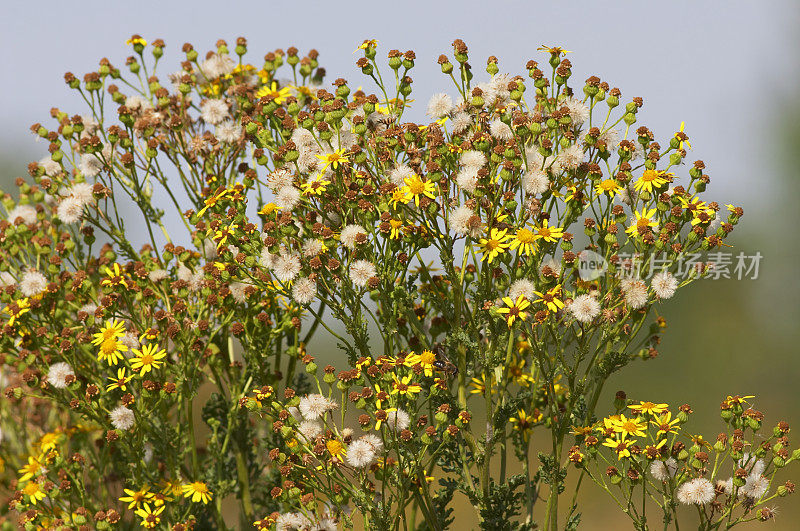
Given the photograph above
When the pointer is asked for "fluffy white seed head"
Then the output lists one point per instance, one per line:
(214, 111)
(32, 283)
(523, 287)
(304, 290)
(398, 420)
(467, 179)
(634, 292)
(535, 182)
(584, 308)
(315, 406)
(286, 266)
(351, 235)
(664, 284)
(399, 174)
(440, 105)
(360, 454)
(361, 271)
(698, 491)
(499, 130)
(472, 159)
(26, 212)
(58, 373)
(122, 418)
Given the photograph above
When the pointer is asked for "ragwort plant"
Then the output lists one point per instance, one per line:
(153, 382)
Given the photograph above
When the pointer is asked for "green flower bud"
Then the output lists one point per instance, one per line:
(629, 118)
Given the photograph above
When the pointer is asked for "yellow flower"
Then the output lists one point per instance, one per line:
(395, 226)
(114, 276)
(650, 180)
(425, 360)
(495, 244)
(627, 426)
(524, 422)
(147, 358)
(111, 351)
(548, 234)
(416, 187)
(268, 209)
(404, 386)
(621, 446)
(22, 306)
(479, 385)
(608, 186)
(171, 488)
(197, 491)
(334, 159)
(315, 187)
(150, 518)
(135, 498)
(551, 299)
(649, 408)
(514, 309)
(697, 208)
(525, 240)
(666, 424)
(368, 43)
(136, 39)
(517, 372)
(273, 90)
(213, 200)
(682, 142)
(31, 469)
(111, 330)
(48, 441)
(34, 491)
(555, 50)
(399, 196)
(643, 221)
(335, 448)
(120, 382)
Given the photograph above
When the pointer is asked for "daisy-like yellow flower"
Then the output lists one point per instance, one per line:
(111, 330)
(136, 39)
(171, 487)
(395, 226)
(197, 491)
(682, 142)
(49, 441)
(479, 385)
(334, 159)
(737, 400)
(280, 95)
(335, 448)
(111, 351)
(150, 517)
(368, 43)
(608, 186)
(120, 382)
(644, 220)
(650, 180)
(551, 298)
(148, 358)
(114, 276)
(404, 386)
(268, 209)
(29, 470)
(525, 241)
(494, 245)
(701, 212)
(415, 187)
(524, 422)
(213, 200)
(649, 408)
(547, 233)
(627, 426)
(34, 492)
(654, 450)
(666, 424)
(581, 431)
(425, 360)
(315, 187)
(555, 50)
(22, 306)
(517, 372)
(399, 196)
(134, 498)
(621, 446)
(514, 309)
